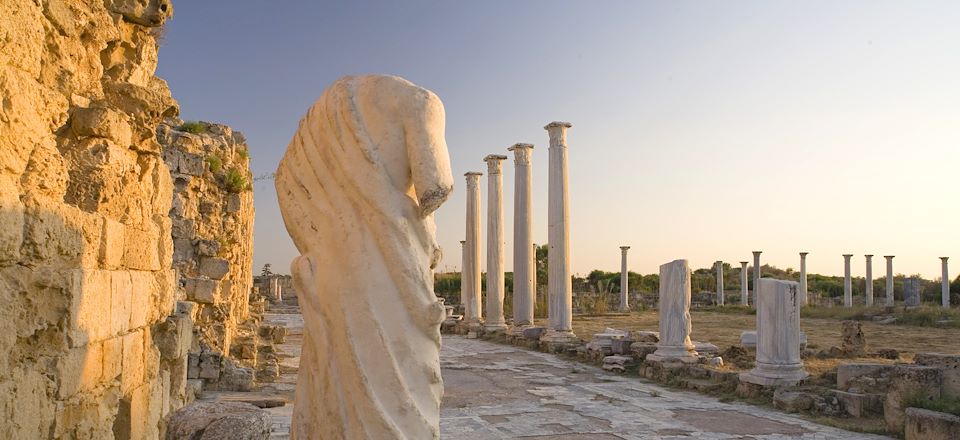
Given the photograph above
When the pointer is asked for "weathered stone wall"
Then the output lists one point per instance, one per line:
(212, 215)
(86, 285)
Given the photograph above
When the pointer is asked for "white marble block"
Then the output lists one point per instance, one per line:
(778, 335)
(357, 188)
(675, 322)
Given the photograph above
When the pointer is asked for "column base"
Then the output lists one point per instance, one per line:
(674, 353)
(775, 375)
(493, 327)
(559, 337)
(517, 330)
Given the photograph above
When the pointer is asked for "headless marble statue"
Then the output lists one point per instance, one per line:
(357, 188)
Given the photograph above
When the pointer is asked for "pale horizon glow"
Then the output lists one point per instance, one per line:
(701, 130)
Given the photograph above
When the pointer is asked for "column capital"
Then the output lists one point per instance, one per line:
(463, 242)
(944, 258)
(624, 248)
(744, 263)
(889, 256)
(557, 124)
(847, 255)
(804, 254)
(494, 163)
(757, 252)
(521, 153)
(868, 256)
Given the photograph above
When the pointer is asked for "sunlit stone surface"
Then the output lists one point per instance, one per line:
(357, 187)
(675, 322)
(778, 335)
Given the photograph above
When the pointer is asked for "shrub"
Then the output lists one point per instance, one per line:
(215, 163)
(194, 127)
(922, 399)
(243, 153)
(236, 181)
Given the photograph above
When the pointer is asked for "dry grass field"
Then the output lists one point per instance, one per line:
(723, 329)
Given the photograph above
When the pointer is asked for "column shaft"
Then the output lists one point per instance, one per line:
(471, 271)
(524, 255)
(889, 287)
(847, 282)
(624, 280)
(743, 282)
(756, 274)
(944, 284)
(804, 295)
(719, 268)
(495, 295)
(558, 226)
(868, 287)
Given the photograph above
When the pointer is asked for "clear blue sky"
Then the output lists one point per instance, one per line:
(701, 130)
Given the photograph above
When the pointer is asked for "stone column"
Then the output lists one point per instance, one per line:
(889, 289)
(471, 271)
(778, 335)
(868, 288)
(743, 283)
(464, 264)
(847, 283)
(675, 322)
(624, 280)
(756, 274)
(944, 284)
(495, 286)
(719, 267)
(558, 216)
(524, 261)
(804, 295)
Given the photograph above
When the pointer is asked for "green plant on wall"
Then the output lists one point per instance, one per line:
(215, 163)
(194, 127)
(236, 181)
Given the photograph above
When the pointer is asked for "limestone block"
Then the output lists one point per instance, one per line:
(949, 364)
(183, 251)
(174, 336)
(911, 292)
(133, 368)
(193, 366)
(203, 290)
(132, 419)
(209, 366)
(150, 13)
(860, 404)
(847, 373)
(924, 424)
(178, 383)
(142, 293)
(112, 358)
(184, 228)
(79, 370)
(121, 301)
(233, 203)
(219, 421)
(208, 248)
(215, 268)
(90, 298)
(908, 380)
(852, 341)
(142, 248)
(190, 164)
(112, 244)
(103, 123)
(11, 216)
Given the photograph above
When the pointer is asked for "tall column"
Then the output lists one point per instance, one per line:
(464, 264)
(847, 282)
(533, 265)
(471, 271)
(804, 296)
(944, 284)
(624, 280)
(868, 288)
(889, 289)
(674, 308)
(524, 260)
(558, 215)
(778, 335)
(756, 274)
(719, 267)
(743, 282)
(495, 321)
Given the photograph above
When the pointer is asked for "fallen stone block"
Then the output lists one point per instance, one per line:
(909, 381)
(852, 341)
(848, 373)
(860, 404)
(793, 401)
(534, 333)
(645, 336)
(618, 364)
(924, 424)
(949, 364)
(219, 421)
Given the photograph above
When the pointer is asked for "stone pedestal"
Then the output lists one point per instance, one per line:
(944, 284)
(471, 269)
(524, 251)
(744, 292)
(778, 335)
(756, 273)
(889, 287)
(847, 282)
(560, 292)
(911, 292)
(804, 295)
(868, 287)
(675, 322)
(719, 268)
(624, 280)
(495, 279)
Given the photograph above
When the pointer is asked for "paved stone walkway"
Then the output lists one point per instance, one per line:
(494, 391)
